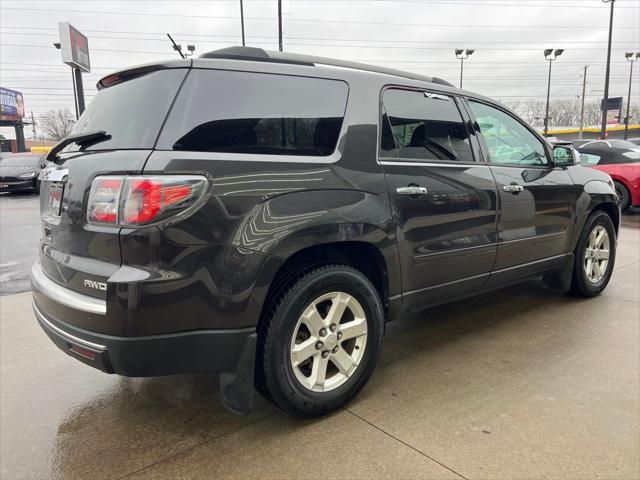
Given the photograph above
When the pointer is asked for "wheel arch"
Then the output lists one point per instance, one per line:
(597, 195)
(613, 210)
(363, 256)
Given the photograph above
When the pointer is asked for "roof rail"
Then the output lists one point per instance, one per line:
(250, 53)
(261, 55)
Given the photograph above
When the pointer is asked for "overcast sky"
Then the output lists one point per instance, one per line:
(415, 35)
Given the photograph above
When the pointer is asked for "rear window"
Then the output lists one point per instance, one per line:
(242, 112)
(131, 112)
(622, 144)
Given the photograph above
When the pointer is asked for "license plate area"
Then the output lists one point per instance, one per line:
(53, 199)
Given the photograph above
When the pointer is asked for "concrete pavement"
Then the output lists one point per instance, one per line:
(521, 383)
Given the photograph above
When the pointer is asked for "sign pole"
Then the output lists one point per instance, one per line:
(19, 128)
(75, 95)
(74, 47)
(79, 89)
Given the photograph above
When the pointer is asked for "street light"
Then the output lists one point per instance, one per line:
(605, 101)
(462, 55)
(631, 57)
(550, 55)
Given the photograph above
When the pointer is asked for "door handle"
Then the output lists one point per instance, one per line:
(411, 190)
(513, 188)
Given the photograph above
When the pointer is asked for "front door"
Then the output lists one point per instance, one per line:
(443, 200)
(536, 198)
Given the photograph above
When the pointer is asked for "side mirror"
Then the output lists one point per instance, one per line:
(565, 156)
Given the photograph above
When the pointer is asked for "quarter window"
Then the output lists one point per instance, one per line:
(242, 112)
(507, 140)
(423, 125)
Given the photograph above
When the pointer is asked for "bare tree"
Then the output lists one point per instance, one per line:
(57, 124)
(564, 112)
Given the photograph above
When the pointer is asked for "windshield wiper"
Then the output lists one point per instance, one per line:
(82, 139)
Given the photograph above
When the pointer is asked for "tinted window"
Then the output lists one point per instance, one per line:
(241, 112)
(425, 126)
(131, 112)
(508, 141)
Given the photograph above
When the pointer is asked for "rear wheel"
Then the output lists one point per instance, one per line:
(623, 195)
(594, 256)
(320, 342)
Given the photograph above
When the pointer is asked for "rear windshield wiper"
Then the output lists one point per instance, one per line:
(82, 139)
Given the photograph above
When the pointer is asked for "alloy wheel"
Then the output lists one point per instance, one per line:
(328, 341)
(596, 256)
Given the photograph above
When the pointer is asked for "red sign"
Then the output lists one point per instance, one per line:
(74, 47)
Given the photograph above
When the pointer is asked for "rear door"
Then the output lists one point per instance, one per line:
(537, 199)
(74, 253)
(443, 200)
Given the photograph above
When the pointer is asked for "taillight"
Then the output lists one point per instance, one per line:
(141, 200)
(103, 200)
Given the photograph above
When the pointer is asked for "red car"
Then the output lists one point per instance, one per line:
(621, 160)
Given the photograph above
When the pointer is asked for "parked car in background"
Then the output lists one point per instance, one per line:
(263, 214)
(621, 160)
(579, 143)
(19, 171)
(635, 141)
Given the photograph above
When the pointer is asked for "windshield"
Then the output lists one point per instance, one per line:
(130, 112)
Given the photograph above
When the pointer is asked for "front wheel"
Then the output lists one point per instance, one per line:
(319, 343)
(594, 256)
(623, 195)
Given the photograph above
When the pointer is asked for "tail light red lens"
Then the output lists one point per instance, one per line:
(141, 200)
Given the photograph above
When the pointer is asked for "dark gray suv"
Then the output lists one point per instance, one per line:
(262, 215)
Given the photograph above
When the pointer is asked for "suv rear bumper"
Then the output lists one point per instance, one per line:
(168, 354)
(135, 356)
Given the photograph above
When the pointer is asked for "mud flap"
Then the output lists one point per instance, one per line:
(561, 281)
(236, 388)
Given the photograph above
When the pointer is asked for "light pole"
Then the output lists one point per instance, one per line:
(242, 21)
(462, 55)
(605, 101)
(178, 48)
(280, 25)
(549, 54)
(584, 88)
(631, 57)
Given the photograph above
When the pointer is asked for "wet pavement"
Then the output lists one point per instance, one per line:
(521, 383)
(19, 237)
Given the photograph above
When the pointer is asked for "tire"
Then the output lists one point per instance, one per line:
(585, 285)
(284, 329)
(624, 196)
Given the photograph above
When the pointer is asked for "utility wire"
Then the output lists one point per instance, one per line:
(271, 19)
